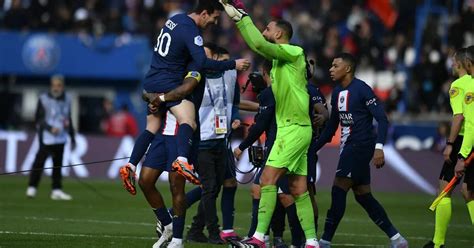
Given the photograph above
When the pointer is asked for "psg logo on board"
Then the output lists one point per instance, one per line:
(41, 53)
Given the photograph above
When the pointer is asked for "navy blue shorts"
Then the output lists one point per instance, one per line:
(354, 163)
(162, 152)
(312, 162)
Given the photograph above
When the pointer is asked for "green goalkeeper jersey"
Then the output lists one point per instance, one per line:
(468, 112)
(288, 75)
(456, 96)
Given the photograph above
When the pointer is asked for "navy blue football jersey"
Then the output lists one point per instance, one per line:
(179, 48)
(354, 108)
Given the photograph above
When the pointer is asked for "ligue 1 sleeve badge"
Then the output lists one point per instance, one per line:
(41, 53)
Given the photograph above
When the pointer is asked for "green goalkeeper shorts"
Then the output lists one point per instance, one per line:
(290, 149)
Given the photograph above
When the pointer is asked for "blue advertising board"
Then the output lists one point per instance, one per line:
(42, 54)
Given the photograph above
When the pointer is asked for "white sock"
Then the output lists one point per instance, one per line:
(132, 166)
(396, 236)
(178, 241)
(259, 236)
(169, 226)
(182, 159)
(228, 231)
(312, 242)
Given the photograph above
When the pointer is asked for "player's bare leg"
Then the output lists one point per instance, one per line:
(127, 172)
(185, 115)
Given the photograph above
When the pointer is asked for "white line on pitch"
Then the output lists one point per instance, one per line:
(76, 235)
(81, 220)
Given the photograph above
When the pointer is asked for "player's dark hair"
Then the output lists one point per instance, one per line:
(211, 46)
(286, 27)
(470, 54)
(348, 58)
(221, 51)
(209, 5)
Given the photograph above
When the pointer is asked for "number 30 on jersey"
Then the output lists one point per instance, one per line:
(163, 44)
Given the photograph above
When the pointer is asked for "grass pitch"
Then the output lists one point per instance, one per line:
(110, 217)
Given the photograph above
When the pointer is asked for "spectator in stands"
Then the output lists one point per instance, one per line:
(121, 123)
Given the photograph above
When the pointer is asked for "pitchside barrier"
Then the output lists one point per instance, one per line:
(405, 170)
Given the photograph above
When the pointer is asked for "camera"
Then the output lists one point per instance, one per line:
(257, 156)
(258, 83)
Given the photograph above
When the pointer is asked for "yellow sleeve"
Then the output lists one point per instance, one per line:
(467, 142)
(456, 96)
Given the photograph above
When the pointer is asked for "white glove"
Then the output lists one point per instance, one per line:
(234, 13)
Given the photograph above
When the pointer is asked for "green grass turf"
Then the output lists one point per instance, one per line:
(120, 220)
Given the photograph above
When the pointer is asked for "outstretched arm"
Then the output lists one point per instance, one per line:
(257, 42)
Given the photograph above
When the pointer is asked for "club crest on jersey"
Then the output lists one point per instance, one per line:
(453, 92)
(343, 98)
(198, 40)
(469, 98)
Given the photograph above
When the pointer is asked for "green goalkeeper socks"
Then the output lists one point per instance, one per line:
(266, 207)
(470, 207)
(443, 216)
(304, 208)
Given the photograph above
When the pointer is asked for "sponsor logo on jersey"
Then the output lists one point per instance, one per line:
(170, 24)
(346, 119)
(198, 40)
(371, 101)
(453, 92)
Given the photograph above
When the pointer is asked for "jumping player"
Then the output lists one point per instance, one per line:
(354, 106)
(178, 44)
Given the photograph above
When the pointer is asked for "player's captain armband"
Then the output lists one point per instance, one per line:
(453, 92)
(469, 98)
(194, 74)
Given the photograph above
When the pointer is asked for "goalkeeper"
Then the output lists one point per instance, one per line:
(294, 131)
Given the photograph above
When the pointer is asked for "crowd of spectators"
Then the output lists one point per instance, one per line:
(381, 33)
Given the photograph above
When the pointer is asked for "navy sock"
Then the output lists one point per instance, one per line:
(278, 220)
(193, 196)
(185, 134)
(376, 213)
(227, 206)
(178, 226)
(163, 216)
(140, 147)
(335, 213)
(254, 221)
(295, 226)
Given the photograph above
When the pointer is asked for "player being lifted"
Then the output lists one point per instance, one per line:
(178, 44)
(354, 106)
(289, 152)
